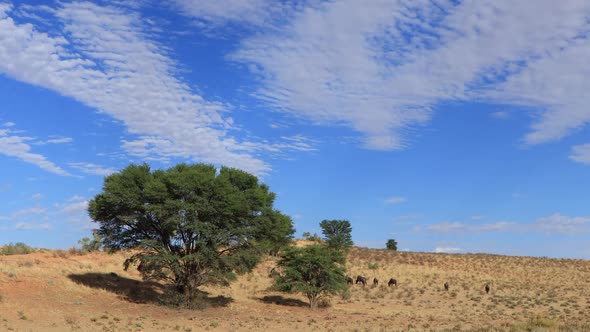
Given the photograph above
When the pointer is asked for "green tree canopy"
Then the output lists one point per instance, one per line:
(314, 271)
(391, 244)
(193, 225)
(337, 233)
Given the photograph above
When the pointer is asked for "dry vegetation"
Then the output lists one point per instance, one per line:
(66, 291)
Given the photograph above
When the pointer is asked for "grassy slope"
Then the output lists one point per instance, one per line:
(57, 291)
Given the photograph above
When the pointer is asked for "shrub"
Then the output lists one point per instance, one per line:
(314, 271)
(90, 245)
(18, 248)
(373, 266)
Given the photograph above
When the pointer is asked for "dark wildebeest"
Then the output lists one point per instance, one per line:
(375, 282)
(273, 273)
(362, 280)
(487, 288)
(392, 282)
(446, 285)
(349, 280)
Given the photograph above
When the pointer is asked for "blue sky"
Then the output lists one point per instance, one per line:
(449, 126)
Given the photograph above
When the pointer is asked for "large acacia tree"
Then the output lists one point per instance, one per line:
(193, 225)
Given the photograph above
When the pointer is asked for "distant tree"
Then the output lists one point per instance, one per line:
(193, 225)
(337, 233)
(312, 237)
(314, 270)
(391, 244)
(89, 245)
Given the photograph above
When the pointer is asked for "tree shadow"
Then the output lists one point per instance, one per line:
(277, 299)
(143, 291)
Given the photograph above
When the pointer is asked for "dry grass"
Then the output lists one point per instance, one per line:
(64, 291)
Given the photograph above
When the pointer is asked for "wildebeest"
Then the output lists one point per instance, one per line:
(273, 273)
(487, 288)
(446, 285)
(362, 280)
(392, 282)
(349, 280)
(375, 282)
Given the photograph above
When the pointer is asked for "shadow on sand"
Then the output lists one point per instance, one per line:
(141, 291)
(277, 299)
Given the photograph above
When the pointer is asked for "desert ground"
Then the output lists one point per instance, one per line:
(63, 291)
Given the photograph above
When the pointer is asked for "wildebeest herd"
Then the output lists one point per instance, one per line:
(393, 282)
(362, 280)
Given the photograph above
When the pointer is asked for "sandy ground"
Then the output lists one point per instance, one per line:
(58, 291)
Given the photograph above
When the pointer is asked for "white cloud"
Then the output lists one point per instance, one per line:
(57, 140)
(449, 250)
(8, 124)
(24, 226)
(37, 196)
(458, 227)
(395, 200)
(382, 66)
(562, 224)
(76, 198)
(30, 211)
(17, 146)
(90, 168)
(501, 115)
(555, 223)
(221, 11)
(75, 208)
(104, 58)
(581, 153)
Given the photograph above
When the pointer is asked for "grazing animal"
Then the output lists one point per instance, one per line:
(273, 273)
(392, 282)
(487, 288)
(349, 280)
(446, 285)
(362, 280)
(375, 282)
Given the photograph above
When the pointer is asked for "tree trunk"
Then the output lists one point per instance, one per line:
(313, 303)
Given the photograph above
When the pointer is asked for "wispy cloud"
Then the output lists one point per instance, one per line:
(90, 168)
(25, 226)
(76, 208)
(459, 227)
(57, 140)
(103, 57)
(449, 250)
(555, 223)
(14, 145)
(562, 224)
(500, 115)
(395, 200)
(37, 196)
(241, 11)
(581, 153)
(381, 67)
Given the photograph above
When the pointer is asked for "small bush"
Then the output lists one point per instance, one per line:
(18, 248)
(90, 245)
(60, 254)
